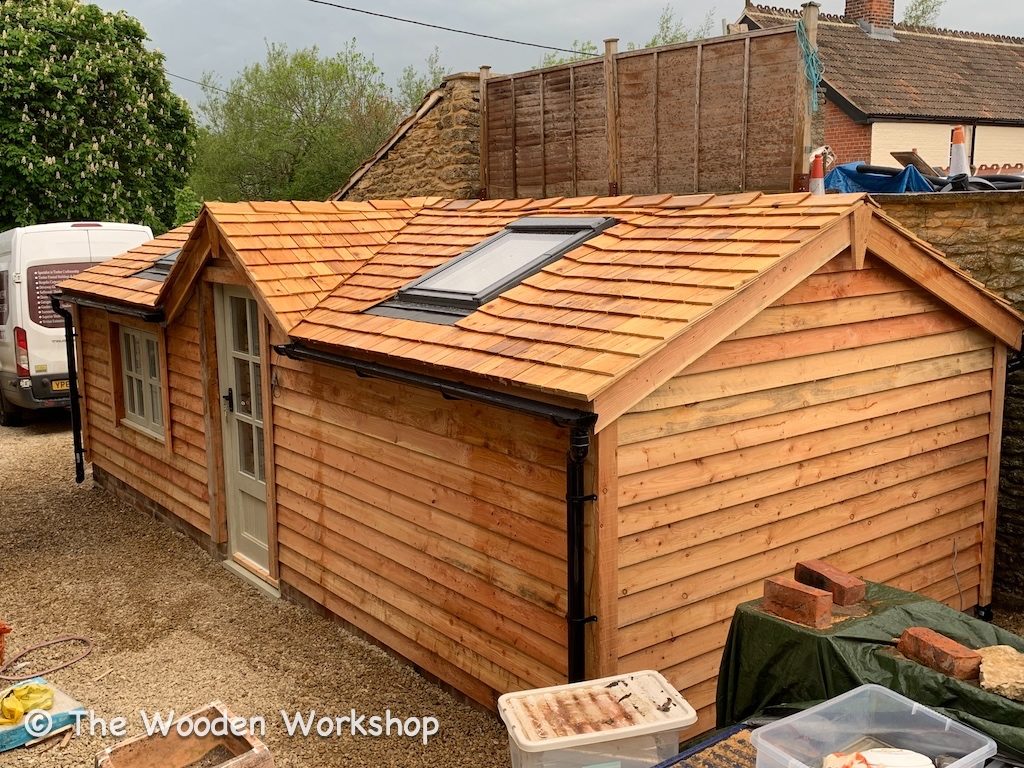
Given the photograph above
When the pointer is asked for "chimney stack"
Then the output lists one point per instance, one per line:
(876, 13)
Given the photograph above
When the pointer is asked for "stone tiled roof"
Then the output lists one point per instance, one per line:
(926, 73)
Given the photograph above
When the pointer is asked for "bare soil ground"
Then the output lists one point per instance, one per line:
(173, 629)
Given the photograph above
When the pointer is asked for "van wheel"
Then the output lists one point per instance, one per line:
(10, 415)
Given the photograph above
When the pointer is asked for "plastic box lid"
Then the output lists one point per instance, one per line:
(866, 717)
(594, 711)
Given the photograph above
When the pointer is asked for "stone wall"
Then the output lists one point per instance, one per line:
(983, 232)
(438, 155)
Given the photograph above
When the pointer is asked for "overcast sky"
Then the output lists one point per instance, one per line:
(222, 36)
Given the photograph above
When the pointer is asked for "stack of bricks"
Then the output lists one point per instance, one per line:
(808, 598)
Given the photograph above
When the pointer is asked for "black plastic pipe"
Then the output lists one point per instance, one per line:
(580, 423)
(76, 413)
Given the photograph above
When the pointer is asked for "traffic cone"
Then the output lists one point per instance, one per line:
(958, 153)
(818, 175)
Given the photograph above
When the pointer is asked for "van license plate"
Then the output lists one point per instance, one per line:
(60, 386)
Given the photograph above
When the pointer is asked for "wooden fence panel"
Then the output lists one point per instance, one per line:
(719, 115)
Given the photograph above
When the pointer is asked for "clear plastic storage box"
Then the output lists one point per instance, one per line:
(865, 718)
(626, 721)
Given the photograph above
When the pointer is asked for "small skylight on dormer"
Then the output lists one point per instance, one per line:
(457, 288)
(159, 269)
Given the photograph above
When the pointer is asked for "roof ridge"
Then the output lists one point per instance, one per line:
(838, 18)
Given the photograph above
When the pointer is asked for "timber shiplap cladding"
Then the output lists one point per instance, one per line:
(849, 421)
(420, 513)
(712, 116)
(176, 478)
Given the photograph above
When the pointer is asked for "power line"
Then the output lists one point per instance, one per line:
(202, 84)
(445, 29)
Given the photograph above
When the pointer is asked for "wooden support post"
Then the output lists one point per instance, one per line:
(995, 440)
(601, 556)
(267, 378)
(211, 413)
(543, 144)
(802, 115)
(743, 118)
(572, 129)
(515, 148)
(611, 90)
(656, 148)
(860, 226)
(696, 119)
(485, 73)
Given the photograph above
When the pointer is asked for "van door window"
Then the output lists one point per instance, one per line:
(4, 301)
(42, 281)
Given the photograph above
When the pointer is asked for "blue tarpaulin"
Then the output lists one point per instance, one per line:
(844, 178)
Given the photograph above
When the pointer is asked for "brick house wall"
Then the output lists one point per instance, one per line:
(850, 141)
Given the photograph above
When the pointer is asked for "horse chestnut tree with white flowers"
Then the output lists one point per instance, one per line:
(89, 127)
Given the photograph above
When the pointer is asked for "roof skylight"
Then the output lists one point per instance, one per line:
(456, 289)
(159, 269)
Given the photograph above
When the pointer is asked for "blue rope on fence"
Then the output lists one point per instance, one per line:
(813, 68)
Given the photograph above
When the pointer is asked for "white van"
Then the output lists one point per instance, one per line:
(33, 356)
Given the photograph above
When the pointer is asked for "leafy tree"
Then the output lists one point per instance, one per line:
(186, 205)
(89, 128)
(669, 30)
(290, 127)
(414, 84)
(923, 13)
(585, 49)
(672, 30)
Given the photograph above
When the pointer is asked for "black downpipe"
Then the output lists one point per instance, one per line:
(76, 412)
(575, 515)
(580, 424)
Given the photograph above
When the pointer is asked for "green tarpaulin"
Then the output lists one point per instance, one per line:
(770, 662)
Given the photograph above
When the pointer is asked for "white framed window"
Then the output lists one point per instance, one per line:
(141, 380)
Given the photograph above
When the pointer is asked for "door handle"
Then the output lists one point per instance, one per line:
(229, 398)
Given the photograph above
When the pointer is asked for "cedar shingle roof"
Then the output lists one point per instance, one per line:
(580, 324)
(113, 279)
(926, 73)
(297, 253)
(593, 314)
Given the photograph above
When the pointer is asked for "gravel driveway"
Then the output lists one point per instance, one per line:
(173, 629)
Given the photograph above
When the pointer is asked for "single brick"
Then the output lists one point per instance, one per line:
(846, 589)
(940, 653)
(797, 602)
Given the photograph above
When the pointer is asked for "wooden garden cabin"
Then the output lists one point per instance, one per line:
(525, 440)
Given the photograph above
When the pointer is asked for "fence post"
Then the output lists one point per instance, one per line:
(485, 72)
(611, 89)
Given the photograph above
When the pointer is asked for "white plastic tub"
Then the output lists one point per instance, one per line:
(864, 718)
(626, 721)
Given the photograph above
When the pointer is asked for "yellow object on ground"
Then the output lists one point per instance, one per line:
(22, 699)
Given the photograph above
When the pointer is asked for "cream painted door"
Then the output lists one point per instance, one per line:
(238, 355)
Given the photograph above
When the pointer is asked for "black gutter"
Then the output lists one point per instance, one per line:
(76, 412)
(154, 315)
(580, 424)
